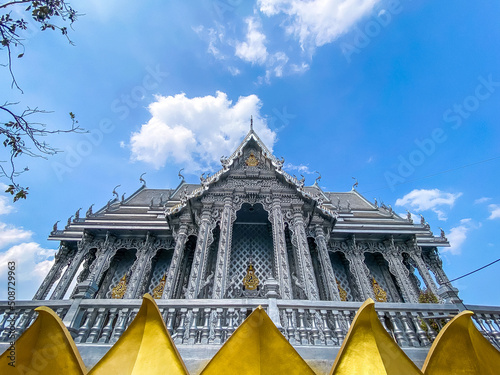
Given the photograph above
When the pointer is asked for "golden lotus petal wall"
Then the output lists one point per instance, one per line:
(45, 348)
(460, 349)
(257, 347)
(144, 348)
(368, 348)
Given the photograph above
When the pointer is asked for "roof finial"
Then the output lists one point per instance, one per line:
(251, 123)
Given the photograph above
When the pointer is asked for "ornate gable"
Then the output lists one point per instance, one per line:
(252, 169)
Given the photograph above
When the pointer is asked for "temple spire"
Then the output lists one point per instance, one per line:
(251, 123)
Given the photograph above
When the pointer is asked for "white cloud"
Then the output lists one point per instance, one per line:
(196, 132)
(32, 265)
(253, 49)
(423, 200)
(482, 200)
(414, 217)
(301, 168)
(457, 236)
(5, 206)
(494, 211)
(10, 234)
(233, 70)
(317, 22)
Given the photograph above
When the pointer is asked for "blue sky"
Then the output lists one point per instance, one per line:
(402, 95)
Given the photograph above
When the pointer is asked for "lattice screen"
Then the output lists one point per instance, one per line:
(255, 240)
(341, 274)
(120, 265)
(161, 263)
(380, 276)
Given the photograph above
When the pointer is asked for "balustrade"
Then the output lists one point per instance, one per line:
(193, 322)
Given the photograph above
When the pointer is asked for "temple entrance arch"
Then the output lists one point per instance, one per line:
(252, 241)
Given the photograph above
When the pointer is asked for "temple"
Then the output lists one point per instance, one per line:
(248, 235)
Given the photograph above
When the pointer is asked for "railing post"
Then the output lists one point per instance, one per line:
(274, 313)
(73, 317)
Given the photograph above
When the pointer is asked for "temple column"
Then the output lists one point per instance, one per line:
(396, 266)
(83, 248)
(303, 255)
(416, 256)
(200, 255)
(358, 268)
(280, 255)
(326, 264)
(446, 290)
(104, 254)
(173, 271)
(224, 250)
(61, 259)
(141, 268)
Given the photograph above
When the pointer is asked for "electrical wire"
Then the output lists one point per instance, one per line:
(470, 273)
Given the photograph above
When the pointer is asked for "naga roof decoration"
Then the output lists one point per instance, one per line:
(152, 210)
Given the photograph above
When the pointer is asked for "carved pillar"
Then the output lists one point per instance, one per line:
(358, 268)
(416, 255)
(83, 247)
(104, 254)
(180, 245)
(326, 265)
(280, 255)
(446, 290)
(303, 255)
(61, 259)
(200, 255)
(224, 250)
(141, 268)
(396, 266)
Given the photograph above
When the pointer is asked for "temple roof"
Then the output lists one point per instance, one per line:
(150, 209)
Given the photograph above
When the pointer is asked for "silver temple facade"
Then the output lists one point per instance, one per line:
(248, 235)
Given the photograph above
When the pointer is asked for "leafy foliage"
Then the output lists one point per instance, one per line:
(22, 135)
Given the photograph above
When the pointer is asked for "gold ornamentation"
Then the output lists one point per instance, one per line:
(380, 294)
(251, 281)
(45, 348)
(369, 349)
(257, 347)
(158, 290)
(252, 161)
(145, 348)
(342, 292)
(427, 296)
(461, 349)
(119, 291)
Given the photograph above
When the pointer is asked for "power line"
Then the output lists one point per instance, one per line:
(470, 273)
(433, 175)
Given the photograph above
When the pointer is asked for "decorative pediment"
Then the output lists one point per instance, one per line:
(254, 164)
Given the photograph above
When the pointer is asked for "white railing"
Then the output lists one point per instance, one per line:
(202, 321)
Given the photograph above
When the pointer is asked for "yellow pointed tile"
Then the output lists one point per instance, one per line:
(257, 347)
(368, 348)
(144, 348)
(45, 348)
(460, 349)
